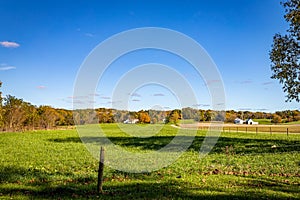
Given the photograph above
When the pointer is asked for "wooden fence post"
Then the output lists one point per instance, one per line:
(227, 152)
(246, 129)
(287, 131)
(256, 129)
(270, 130)
(100, 171)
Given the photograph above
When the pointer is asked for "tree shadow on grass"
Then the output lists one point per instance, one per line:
(271, 184)
(238, 145)
(13, 174)
(82, 188)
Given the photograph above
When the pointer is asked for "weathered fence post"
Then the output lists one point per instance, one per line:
(100, 171)
(287, 131)
(227, 152)
(256, 129)
(270, 130)
(246, 129)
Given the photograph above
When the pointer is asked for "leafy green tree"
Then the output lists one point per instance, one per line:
(201, 115)
(65, 117)
(14, 113)
(276, 119)
(105, 115)
(285, 53)
(31, 116)
(208, 115)
(230, 116)
(47, 116)
(174, 116)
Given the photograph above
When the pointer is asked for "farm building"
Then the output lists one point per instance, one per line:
(130, 121)
(238, 121)
(250, 121)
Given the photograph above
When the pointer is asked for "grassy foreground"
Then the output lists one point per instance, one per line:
(56, 165)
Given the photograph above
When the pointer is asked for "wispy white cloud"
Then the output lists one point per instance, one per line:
(158, 95)
(196, 105)
(8, 44)
(135, 94)
(267, 83)
(246, 82)
(77, 97)
(94, 94)
(105, 97)
(262, 109)
(200, 104)
(41, 87)
(244, 109)
(78, 102)
(210, 82)
(89, 34)
(5, 67)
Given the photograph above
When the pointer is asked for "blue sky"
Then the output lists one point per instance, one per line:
(44, 43)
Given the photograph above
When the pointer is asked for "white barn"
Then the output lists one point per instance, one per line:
(129, 121)
(238, 121)
(251, 122)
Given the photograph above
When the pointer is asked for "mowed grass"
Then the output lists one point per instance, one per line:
(264, 121)
(56, 165)
(269, 122)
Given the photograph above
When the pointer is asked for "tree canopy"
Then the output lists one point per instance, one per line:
(285, 53)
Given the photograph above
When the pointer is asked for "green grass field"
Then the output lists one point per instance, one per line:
(56, 165)
(293, 123)
(263, 121)
(269, 122)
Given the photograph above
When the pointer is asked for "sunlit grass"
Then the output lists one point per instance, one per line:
(56, 165)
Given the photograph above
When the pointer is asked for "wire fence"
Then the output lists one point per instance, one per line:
(272, 129)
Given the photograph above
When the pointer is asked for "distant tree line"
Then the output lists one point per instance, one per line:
(19, 115)
(277, 117)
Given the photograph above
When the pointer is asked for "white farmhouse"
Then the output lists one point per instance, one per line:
(130, 121)
(238, 121)
(135, 121)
